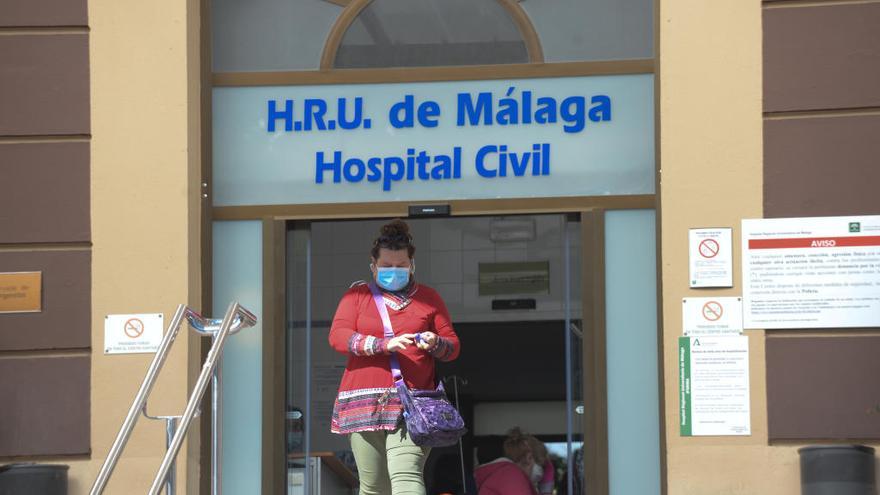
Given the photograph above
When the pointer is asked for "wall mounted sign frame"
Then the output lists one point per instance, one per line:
(21, 292)
(821, 272)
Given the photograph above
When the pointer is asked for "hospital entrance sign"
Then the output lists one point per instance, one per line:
(541, 137)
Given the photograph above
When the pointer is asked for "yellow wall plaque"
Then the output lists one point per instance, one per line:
(21, 292)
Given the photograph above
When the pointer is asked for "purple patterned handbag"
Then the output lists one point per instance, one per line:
(431, 420)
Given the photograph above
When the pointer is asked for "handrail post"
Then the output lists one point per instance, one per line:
(170, 430)
(141, 397)
(198, 392)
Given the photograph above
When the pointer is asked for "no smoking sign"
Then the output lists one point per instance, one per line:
(709, 248)
(132, 333)
(711, 258)
(713, 316)
(713, 311)
(133, 328)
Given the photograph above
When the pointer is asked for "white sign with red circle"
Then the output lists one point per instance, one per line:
(713, 316)
(711, 257)
(133, 333)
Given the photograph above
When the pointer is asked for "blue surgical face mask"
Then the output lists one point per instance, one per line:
(390, 278)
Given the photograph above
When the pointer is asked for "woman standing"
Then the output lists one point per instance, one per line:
(367, 407)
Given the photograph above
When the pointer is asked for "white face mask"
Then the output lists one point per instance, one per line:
(537, 473)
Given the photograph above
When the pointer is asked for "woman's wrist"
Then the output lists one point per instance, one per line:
(443, 348)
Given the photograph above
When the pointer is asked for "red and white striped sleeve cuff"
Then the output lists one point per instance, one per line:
(367, 345)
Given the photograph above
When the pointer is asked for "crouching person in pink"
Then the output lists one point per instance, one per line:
(511, 474)
(546, 476)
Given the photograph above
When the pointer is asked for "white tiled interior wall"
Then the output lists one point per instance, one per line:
(448, 251)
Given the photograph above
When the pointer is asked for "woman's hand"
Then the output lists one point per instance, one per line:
(400, 342)
(427, 341)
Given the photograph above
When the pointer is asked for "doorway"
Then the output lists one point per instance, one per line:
(512, 285)
(611, 401)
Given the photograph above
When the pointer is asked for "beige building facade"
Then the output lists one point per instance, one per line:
(720, 132)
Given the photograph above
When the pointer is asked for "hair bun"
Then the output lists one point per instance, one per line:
(516, 446)
(396, 229)
(394, 235)
(515, 433)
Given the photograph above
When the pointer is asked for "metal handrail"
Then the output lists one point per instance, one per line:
(170, 430)
(211, 327)
(236, 318)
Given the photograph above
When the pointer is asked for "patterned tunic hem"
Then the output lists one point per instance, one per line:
(366, 410)
(365, 428)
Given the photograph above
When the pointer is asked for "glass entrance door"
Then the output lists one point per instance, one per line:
(512, 285)
(558, 320)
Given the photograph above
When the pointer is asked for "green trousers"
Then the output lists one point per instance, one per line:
(389, 463)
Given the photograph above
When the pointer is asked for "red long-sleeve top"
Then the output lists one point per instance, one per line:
(367, 399)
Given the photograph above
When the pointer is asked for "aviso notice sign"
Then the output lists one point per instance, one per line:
(811, 272)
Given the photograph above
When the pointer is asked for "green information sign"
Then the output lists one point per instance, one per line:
(684, 385)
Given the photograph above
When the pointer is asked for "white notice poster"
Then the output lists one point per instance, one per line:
(712, 316)
(132, 334)
(711, 258)
(714, 386)
(811, 272)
